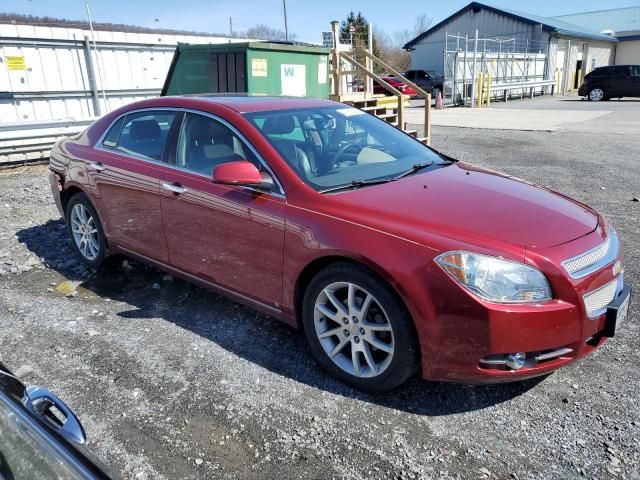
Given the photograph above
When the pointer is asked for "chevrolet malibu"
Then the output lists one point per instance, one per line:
(391, 257)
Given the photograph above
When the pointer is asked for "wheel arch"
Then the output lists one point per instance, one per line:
(69, 192)
(315, 266)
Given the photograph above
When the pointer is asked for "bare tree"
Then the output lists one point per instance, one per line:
(265, 32)
(390, 46)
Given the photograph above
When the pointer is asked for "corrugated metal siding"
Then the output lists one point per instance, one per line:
(55, 85)
(428, 53)
(599, 54)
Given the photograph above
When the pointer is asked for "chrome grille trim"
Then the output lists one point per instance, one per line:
(596, 301)
(593, 260)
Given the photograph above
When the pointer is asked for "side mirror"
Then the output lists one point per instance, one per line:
(242, 173)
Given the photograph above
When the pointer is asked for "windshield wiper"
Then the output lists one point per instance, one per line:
(416, 168)
(357, 184)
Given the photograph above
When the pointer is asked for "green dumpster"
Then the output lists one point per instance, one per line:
(255, 68)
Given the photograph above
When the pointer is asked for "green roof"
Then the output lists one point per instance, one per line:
(619, 20)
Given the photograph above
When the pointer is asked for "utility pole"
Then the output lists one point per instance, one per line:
(230, 27)
(286, 28)
(95, 49)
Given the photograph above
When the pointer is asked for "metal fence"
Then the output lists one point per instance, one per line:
(56, 81)
(514, 66)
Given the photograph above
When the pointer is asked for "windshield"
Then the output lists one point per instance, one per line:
(341, 145)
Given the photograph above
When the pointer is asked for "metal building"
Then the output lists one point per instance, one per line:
(622, 23)
(566, 47)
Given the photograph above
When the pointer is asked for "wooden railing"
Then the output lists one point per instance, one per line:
(367, 70)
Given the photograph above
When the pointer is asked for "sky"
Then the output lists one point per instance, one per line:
(305, 18)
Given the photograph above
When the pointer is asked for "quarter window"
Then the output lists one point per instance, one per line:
(205, 143)
(143, 134)
(111, 139)
(635, 70)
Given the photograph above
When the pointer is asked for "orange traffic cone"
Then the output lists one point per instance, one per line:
(439, 105)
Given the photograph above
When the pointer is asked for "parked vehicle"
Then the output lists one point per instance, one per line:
(40, 437)
(425, 80)
(390, 256)
(397, 84)
(604, 83)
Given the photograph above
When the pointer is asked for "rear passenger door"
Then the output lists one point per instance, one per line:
(230, 236)
(125, 179)
(621, 84)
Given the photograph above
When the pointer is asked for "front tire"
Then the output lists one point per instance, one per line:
(359, 329)
(85, 231)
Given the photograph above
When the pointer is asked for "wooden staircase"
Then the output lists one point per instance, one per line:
(388, 108)
(385, 108)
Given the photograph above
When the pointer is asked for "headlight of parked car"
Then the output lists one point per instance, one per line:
(495, 279)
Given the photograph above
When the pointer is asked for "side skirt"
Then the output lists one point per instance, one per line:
(237, 297)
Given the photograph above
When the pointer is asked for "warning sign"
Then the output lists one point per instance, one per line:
(16, 63)
(259, 67)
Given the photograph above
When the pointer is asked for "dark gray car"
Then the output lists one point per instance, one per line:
(424, 79)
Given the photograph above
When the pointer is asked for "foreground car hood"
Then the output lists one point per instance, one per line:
(464, 201)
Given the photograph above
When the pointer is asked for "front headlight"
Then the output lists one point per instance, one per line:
(495, 279)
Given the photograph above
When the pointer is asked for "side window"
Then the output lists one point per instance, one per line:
(635, 70)
(205, 143)
(111, 139)
(145, 134)
(621, 71)
(411, 75)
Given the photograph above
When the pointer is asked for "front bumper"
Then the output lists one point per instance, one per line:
(467, 339)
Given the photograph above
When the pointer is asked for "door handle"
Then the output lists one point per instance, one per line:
(97, 166)
(177, 189)
(39, 401)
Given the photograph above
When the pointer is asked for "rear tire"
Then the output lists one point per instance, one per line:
(597, 94)
(371, 337)
(85, 231)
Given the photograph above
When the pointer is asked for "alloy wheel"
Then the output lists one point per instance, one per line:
(85, 232)
(353, 329)
(596, 94)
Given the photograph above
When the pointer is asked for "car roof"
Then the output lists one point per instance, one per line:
(244, 103)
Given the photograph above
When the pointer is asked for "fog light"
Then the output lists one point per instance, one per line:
(515, 361)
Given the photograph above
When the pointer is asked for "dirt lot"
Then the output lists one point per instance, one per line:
(173, 381)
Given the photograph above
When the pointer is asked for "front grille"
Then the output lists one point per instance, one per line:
(596, 302)
(594, 259)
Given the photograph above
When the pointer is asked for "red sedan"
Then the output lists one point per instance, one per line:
(390, 256)
(395, 83)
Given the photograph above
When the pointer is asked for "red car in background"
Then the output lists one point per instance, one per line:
(395, 83)
(391, 257)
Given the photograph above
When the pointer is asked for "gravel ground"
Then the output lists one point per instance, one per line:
(172, 381)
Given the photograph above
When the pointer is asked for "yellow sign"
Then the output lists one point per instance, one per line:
(259, 67)
(16, 63)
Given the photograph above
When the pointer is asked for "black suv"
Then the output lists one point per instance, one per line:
(604, 83)
(424, 80)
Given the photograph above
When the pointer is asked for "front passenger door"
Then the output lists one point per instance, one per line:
(230, 236)
(635, 80)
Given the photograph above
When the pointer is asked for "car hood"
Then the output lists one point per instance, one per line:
(472, 205)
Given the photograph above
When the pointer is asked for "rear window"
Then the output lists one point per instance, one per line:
(142, 134)
(601, 72)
